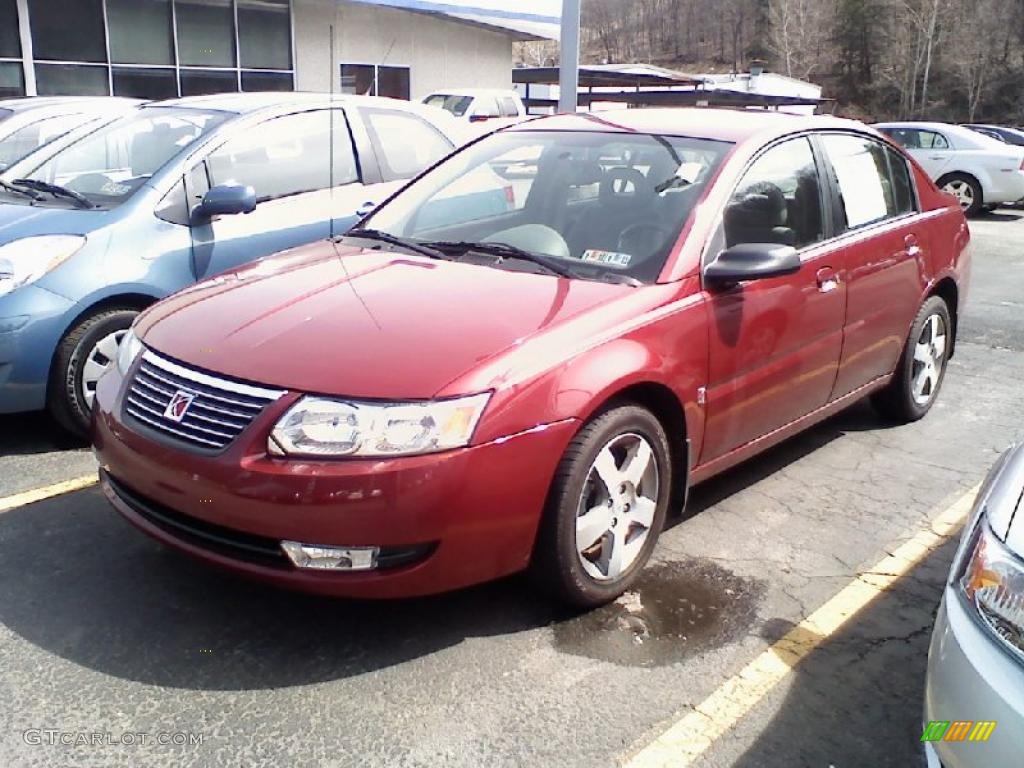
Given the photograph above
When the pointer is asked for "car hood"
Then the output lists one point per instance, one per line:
(361, 323)
(18, 221)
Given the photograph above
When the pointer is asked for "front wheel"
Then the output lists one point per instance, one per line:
(606, 508)
(922, 366)
(85, 353)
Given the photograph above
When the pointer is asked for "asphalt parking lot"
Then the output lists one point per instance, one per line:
(103, 631)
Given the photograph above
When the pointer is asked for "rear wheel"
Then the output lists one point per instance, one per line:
(922, 366)
(606, 508)
(83, 355)
(965, 189)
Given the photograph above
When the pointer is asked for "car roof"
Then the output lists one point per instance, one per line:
(473, 92)
(26, 103)
(256, 101)
(703, 122)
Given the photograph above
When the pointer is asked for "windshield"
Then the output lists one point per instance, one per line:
(27, 139)
(108, 165)
(457, 105)
(595, 203)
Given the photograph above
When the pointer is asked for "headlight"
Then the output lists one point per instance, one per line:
(129, 349)
(25, 261)
(317, 427)
(992, 583)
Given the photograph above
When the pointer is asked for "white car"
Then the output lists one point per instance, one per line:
(981, 172)
(488, 109)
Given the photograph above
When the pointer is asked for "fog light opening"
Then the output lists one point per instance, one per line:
(324, 558)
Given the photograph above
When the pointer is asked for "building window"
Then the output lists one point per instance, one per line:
(12, 81)
(374, 80)
(71, 80)
(129, 47)
(206, 32)
(144, 83)
(264, 34)
(140, 32)
(10, 40)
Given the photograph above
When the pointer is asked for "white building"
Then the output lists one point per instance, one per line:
(165, 48)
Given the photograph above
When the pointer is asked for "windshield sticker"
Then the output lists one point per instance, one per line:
(611, 258)
(115, 189)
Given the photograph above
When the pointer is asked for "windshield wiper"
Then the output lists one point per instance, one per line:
(57, 191)
(400, 242)
(506, 251)
(26, 192)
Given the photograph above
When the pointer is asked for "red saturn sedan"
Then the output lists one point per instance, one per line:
(525, 358)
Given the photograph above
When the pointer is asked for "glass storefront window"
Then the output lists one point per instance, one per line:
(140, 83)
(264, 34)
(371, 80)
(197, 82)
(206, 33)
(71, 80)
(11, 79)
(63, 31)
(10, 40)
(267, 81)
(140, 31)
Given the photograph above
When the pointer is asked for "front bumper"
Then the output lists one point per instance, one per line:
(971, 678)
(32, 321)
(470, 514)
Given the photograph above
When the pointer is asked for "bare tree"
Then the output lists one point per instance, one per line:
(799, 29)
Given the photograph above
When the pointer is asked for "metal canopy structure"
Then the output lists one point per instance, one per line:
(608, 76)
(521, 19)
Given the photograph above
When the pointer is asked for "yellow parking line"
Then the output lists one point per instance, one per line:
(57, 489)
(686, 739)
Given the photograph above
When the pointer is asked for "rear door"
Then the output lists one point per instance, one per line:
(883, 258)
(286, 160)
(933, 151)
(775, 343)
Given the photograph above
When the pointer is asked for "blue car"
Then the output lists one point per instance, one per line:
(172, 193)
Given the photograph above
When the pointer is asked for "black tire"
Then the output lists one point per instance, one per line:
(556, 566)
(65, 399)
(976, 194)
(897, 401)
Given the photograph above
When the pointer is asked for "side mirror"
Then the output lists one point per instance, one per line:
(224, 200)
(751, 261)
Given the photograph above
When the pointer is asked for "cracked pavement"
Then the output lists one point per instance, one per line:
(103, 630)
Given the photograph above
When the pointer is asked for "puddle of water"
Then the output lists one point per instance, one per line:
(676, 611)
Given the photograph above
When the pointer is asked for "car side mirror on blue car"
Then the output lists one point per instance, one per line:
(224, 200)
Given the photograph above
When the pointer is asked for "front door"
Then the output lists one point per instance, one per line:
(774, 344)
(284, 160)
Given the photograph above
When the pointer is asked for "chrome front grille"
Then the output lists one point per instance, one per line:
(218, 410)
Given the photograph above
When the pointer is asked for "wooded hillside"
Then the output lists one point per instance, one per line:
(958, 60)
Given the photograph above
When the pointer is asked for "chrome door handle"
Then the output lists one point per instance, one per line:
(828, 280)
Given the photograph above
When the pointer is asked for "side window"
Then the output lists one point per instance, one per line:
(508, 107)
(486, 106)
(287, 155)
(902, 186)
(405, 143)
(932, 140)
(778, 200)
(867, 187)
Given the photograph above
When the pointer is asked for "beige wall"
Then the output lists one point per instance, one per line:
(440, 53)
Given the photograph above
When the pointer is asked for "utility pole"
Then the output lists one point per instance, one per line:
(569, 73)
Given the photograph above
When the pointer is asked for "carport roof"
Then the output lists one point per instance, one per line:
(609, 76)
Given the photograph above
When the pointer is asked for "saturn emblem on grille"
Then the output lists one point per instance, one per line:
(179, 405)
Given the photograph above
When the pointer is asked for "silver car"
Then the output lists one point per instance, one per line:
(974, 698)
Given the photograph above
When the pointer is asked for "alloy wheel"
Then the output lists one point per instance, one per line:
(100, 358)
(617, 507)
(962, 191)
(929, 360)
